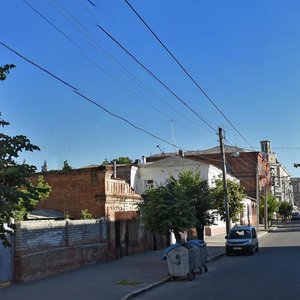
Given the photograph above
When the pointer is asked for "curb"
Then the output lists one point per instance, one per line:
(5, 284)
(149, 287)
(145, 289)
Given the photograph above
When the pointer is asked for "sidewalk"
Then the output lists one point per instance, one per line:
(121, 279)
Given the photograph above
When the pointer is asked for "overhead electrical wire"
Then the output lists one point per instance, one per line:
(60, 31)
(155, 77)
(49, 22)
(186, 72)
(98, 47)
(76, 91)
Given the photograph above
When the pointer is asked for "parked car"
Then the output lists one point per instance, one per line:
(242, 239)
(295, 215)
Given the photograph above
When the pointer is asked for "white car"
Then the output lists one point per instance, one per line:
(242, 239)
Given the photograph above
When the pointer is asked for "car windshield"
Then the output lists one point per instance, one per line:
(239, 234)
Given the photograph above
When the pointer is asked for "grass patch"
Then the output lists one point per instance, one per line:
(129, 282)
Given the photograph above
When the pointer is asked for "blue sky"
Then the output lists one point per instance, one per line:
(244, 54)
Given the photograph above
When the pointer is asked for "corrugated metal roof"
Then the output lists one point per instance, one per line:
(40, 214)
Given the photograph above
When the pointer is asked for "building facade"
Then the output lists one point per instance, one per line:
(280, 178)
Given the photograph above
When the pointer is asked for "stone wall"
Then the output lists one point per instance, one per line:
(43, 248)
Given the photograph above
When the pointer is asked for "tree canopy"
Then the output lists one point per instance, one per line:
(178, 205)
(44, 167)
(272, 206)
(197, 194)
(235, 195)
(66, 166)
(119, 160)
(4, 70)
(285, 209)
(17, 195)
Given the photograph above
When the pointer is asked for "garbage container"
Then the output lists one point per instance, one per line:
(180, 260)
(200, 254)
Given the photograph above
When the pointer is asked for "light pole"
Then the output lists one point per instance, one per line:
(227, 217)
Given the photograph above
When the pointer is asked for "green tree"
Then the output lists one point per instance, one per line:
(119, 160)
(66, 166)
(4, 70)
(272, 204)
(197, 194)
(105, 162)
(166, 208)
(17, 194)
(86, 215)
(235, 195)
(43, 192)
(285, 209)
(44, 167)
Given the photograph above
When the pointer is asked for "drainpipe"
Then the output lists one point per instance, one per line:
(257, 198)
(115, 169)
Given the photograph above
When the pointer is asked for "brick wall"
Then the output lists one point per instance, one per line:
(88, 188)
(33, 236)
(47, 247)
(43, 248)
(75, 190)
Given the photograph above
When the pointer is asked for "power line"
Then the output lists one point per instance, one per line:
(76, 91)
(39, 67)
(92, 3)
(98, 47)
(186, 72)
(123, 119)
(49, 22)
(155, 77)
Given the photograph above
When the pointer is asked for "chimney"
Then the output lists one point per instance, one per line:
(265, 146)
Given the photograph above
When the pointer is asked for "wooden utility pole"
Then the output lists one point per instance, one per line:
(227, 217)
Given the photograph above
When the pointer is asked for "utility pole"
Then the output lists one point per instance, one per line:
(227, 218)
(257, 198)
(266, 205)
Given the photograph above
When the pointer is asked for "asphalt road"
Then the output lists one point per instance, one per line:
(272, 273)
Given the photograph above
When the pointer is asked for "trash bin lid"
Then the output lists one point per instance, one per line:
(199, 243)
(168, 249)
(187, 245)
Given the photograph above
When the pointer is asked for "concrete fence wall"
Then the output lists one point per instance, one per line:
(43, 248)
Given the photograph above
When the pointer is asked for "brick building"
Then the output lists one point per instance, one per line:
(97, 190)
(92, 188)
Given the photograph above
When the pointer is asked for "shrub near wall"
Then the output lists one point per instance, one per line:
(43, 248)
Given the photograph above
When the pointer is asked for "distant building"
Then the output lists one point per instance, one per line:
(295, 182)
(280, 183)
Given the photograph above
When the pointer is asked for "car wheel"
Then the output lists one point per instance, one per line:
(252, 251)
(257, 248)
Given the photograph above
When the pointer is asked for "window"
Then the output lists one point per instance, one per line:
(149, 184)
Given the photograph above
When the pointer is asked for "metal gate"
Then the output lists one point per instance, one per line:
(126, 230)
(6, 261)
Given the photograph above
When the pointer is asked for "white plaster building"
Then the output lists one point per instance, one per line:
(153, 174)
